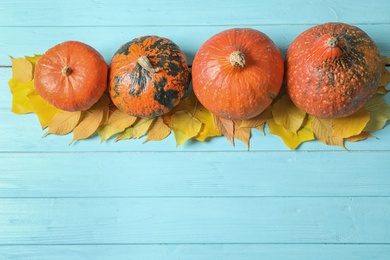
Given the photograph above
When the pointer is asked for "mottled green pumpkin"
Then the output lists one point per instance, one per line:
(148, 76)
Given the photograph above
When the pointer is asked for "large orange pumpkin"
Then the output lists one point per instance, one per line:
(332, 70)
(71, 76)
(148, 76)
(237, 73)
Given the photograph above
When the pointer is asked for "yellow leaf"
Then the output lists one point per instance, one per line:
(42, 109)
(158, 131)
(22, 70)
(126, 134)
(226, 127)
(292, 139)
(63, 123)
(208, 128)
(142, 127)
(120, 120)
(184, 126)
(385, 60)
(350, 125)
(286, 114)
(379, 112)
(362, 136)
(20, 92)
(88, 124)
(107, 131)
(323, 131)
(385, 79)
(382, 90)
(33, 59)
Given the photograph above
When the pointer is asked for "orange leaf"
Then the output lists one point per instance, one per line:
(226, 127)
(63, 123)
(158, 130)
(243, 134)
(88, 124)
(121, 120)
(362, 136)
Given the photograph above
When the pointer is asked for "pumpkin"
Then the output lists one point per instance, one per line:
(237, 73)
(148, 76)
(71, 76)
(332, 69)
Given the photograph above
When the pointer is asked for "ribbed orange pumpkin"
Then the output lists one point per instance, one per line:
(71, 76)
(148, 76)
(237, 73)
(332, 70)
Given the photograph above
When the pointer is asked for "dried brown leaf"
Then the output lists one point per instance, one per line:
(226, 127)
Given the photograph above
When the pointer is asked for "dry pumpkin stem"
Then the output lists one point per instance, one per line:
(237, 58)
(145, 64)
(67, 70)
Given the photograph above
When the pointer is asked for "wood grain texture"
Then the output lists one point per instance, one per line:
(22, 41)
(173, 13)
(195, 174)
(194, 220)
(199, 252)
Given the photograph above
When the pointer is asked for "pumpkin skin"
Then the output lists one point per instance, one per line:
(71, 76)
(237, 73)
(332, 70)
(148, 76)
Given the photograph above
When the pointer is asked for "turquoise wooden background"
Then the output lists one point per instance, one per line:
(129, 200)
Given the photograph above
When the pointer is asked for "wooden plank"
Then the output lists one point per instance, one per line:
(163, 13)
(199, 252)
(108, 39)
(194, 174)
(195, 220)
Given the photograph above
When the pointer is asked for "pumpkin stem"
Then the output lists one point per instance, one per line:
(237, 58)
(66, 71)
(332, 42)
(145, 64)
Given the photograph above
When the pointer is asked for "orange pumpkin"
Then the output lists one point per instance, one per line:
(237, 73)
(148, 76)
(71, 76)
(332, 70)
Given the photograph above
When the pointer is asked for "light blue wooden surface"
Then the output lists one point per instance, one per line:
(129, 200)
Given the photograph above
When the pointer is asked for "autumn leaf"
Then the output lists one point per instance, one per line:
(22, 70)
(242, 132)
(107, 131)
(292, 139)
(208, 127)
(63, 123)
(323, 131)
(33, 59)
(158, 130)
(350, 125)
(142, 127)
(362, 136)
(184, 126)
(385, 79)
(121, 120)
(226, 127)
(379, 112)
(21, 104)
(88, 124)
(42, 109)
(286, 114)
(126, 134)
